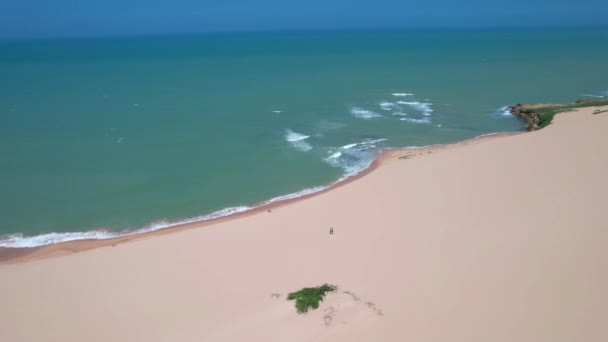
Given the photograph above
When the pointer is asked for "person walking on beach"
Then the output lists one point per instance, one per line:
(331, 230)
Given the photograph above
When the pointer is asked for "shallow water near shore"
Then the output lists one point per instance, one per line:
(119, 134)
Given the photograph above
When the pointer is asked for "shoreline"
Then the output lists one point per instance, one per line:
(11, 255)
(491, 239)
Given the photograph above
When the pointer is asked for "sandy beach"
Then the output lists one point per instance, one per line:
(496, 239)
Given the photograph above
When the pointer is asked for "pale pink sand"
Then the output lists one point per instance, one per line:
(501, 240)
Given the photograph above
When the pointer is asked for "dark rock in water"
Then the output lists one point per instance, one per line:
(529, 116)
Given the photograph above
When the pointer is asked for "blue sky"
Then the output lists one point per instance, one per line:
(43, 18)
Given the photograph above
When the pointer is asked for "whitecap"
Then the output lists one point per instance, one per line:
(363, 113)
(402, 94)
(399, 114)
(367, 141)
(298, 140)
(425, 120)
(292, 136)
(424, 107)
(591, 95)
(370, 141)
(335, 155)
(386, 105)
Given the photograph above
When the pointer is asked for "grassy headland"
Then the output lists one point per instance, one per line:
(540, 116)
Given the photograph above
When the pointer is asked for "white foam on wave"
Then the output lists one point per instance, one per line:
(292, 136)
(365, 144)
(298, 140)
(352, 162)
(399, 114)
(402, 94)
(335, 155)
(424, 107)
(425, 120)
(363, 113)
(21, 241)
(370, 141)
(353, 158)
(591, 95)
(385, 105)
(276, 111)
(503, 111)
(218, 214)
(298, 194)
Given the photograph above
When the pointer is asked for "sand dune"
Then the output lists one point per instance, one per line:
(497, 240)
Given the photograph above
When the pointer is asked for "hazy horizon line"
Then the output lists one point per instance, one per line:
(304, 30)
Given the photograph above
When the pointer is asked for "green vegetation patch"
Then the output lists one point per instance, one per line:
(546, 114)
(310, 297)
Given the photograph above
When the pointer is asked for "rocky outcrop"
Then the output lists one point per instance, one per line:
(529, 116)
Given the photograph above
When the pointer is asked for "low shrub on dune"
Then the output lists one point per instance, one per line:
(310, 297)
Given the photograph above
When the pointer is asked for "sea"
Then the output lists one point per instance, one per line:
(108, 136)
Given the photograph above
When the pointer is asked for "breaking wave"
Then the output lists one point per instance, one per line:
(385, 105)
(21, 241)
(353, 158)
(502, 112)
(402, 94)
(423, 107)
(292, 136)
(298, 140)
(425, 120)
(304, 192)
(335, 155)
(363, 113)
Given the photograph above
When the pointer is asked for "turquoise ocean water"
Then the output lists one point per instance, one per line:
(110, 135)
